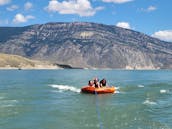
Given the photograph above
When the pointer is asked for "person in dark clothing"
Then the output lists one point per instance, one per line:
(96, 83)
(103, 82)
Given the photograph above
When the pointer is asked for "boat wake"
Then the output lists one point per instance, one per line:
(66, 88)
(62, 88)
(117, 90)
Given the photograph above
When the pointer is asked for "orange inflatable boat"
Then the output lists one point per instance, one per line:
(102, 90)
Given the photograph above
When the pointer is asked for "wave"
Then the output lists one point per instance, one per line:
(148, 102)
(8, 103)
(141, 86)
(66, 88)
(164, 91)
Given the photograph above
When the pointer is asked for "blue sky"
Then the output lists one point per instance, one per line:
(152, 17)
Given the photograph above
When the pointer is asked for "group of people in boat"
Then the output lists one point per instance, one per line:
(95, 83)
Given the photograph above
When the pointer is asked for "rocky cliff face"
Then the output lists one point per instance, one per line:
(88, 45)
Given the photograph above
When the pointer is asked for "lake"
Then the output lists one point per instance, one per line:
(51, 99)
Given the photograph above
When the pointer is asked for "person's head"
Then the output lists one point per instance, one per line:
(104, 80)
(96, 79)
(90, 83)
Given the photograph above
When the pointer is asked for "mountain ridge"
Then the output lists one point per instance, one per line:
(88, 45)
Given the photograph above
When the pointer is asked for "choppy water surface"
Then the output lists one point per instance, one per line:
(51, 99)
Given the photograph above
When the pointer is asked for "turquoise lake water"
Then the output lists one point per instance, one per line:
(51, 99)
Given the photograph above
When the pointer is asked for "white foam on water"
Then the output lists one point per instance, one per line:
(66, 88)
(141, 86)
(148, 102)
(164, 91)
(8, 103)
(117, 90)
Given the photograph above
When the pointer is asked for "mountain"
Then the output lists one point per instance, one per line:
(90, 45)
(18, 62)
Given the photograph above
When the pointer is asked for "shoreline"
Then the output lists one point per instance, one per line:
(28, 68)
(58, 68)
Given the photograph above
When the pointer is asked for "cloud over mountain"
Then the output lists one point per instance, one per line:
(163, 35)
(125, 25)
(20, 18)
(79, 7)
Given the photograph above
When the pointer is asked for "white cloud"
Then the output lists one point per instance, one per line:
(149, 9)
(79, 7)
(163, 35)
(20, 18)
(117, 1)
(124, 25)
(28, 5)
(3, 2)
(12, 7)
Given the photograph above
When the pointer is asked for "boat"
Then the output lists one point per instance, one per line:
(101, 90)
